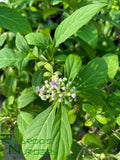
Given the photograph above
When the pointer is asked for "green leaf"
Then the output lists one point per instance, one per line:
(2, 38)
(72, 116)
(118, 120)
(109, 20)
(102, 119)
(89, 34)
(89, 122)
(9, 86)
(75, 21)
(54, 2)
(1, 150)
(22, 62)
(49, 11)
(21, 44)
(61, 135)
(17, 133)
(112, 62)
(27, 96)
(12, 20)
(8, 57)
(94, 96)
(49, 67)
(39, 129)
(93, 74)
(72, 66)
(91, 140)
(37, 39)
(23, 120)
(117, 156)
(37, 79)
(89, 109)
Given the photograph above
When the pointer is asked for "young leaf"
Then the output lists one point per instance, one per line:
(75, 21)
(23, 120)
(37, 39)
(91, 140)
(89, 109)
(8, 57)
(112, 63)
(72, 66)
(13, 20)
(61, 135)
(93, 74)
(21, 44)
(102, 119)
(39, 129)
(27, 96)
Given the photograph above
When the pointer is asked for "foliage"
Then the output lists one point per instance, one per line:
(59, 65)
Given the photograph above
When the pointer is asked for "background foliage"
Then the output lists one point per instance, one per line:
(78, 40)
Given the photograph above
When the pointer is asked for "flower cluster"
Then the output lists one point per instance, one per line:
(57, 88)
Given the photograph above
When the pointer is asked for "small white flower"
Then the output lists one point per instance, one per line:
(73, 95)
(63, 88)
(46, 81)
(70, 82)
(64, 79)
(60, 80)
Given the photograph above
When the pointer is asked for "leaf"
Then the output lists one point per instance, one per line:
(89, 122)
(21, 44)
(72, 116)
(1, 150)
(9, 86)
(117, 156)
(75, 21)
(93, 74)
(109, 20)
(22, 62)
(12, 20)
(37, 79)
(94, 96)
(76, 148)
(112, 63)
(8, 57)
(17, 133)
(23, 120)
(102, 119)
(61, 135)
(50, 11)
(118, 120)
(37, 39)
(2, 38)
(39, 129)
(91, 140)
(54, 2)
(89, 34)
(27, 96)
(72, 66)
(49, 67)
(89, 109)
